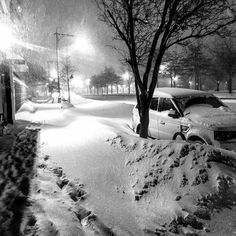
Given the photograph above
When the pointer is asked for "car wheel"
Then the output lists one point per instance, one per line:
(197, 140)
(179, 136)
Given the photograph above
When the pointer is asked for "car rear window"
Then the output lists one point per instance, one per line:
(185, 102)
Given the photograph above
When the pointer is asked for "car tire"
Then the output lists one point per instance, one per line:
(179, 136)
(197, 140)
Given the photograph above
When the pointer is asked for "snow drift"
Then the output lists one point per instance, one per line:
(180, 186)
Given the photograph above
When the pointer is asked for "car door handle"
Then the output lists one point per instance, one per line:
(162, 122)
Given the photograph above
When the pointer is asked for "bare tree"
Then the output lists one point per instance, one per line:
(224, 60)
(173, 65)
(216, 74)
(148, 28)
(110, 78)
(36, 73)
(107, 77)
(195, 63)
(67, 71)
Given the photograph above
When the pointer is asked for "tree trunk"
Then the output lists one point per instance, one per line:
(144, 116)
(111, 89)
(107, 89)
(200, 83)
(128, 87)
(229, 83)
(217, 86)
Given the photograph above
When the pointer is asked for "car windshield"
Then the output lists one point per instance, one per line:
(187, 101)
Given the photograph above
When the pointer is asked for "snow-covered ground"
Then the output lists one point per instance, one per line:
(96, 177)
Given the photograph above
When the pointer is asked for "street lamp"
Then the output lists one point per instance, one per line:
(59, 36)
(175, 79)
(53, 73)
(126, 78)
(190, 84)
(83, 45)
(88, 85)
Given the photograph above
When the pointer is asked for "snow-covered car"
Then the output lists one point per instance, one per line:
(192, 115)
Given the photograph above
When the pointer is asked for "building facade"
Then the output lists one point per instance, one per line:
(12, 88)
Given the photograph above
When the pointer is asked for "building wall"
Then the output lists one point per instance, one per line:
(21, 92)
(6, 93)
(13, 92)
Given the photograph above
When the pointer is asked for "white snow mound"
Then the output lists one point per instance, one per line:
(179, 185)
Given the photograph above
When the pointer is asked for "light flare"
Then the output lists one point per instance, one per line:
(32, 46)
(84, 46)
(7, 38)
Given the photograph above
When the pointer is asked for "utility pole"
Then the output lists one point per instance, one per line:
(58, 76)
(59, 36)
(68, 78)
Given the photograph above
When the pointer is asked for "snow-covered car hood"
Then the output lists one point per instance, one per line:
(214, 118)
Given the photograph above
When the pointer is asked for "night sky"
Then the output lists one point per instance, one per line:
(76, 17)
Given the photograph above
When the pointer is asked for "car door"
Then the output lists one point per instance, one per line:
(167, 126)
(153, 118)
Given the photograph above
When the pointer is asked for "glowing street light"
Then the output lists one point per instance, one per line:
(125, 76)
(88, 85)
(83, 45)
(53, 73)
(190, 84)
(163, 68)
(175, 79)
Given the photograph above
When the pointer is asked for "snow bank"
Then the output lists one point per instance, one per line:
(28, 107)
(180, 186)
(16, 170)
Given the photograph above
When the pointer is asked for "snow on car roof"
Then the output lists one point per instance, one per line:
(176, 92)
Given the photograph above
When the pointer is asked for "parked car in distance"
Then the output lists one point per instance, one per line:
(191, 115)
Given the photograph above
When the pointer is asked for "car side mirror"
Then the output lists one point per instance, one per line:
(174, 114)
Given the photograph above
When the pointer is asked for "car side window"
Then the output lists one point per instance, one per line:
(154, 104)
(166, 104)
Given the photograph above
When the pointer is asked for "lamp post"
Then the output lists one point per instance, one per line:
(126, 78)
(175, 80)
(68, 85)
(59, 36)
(88, 85)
